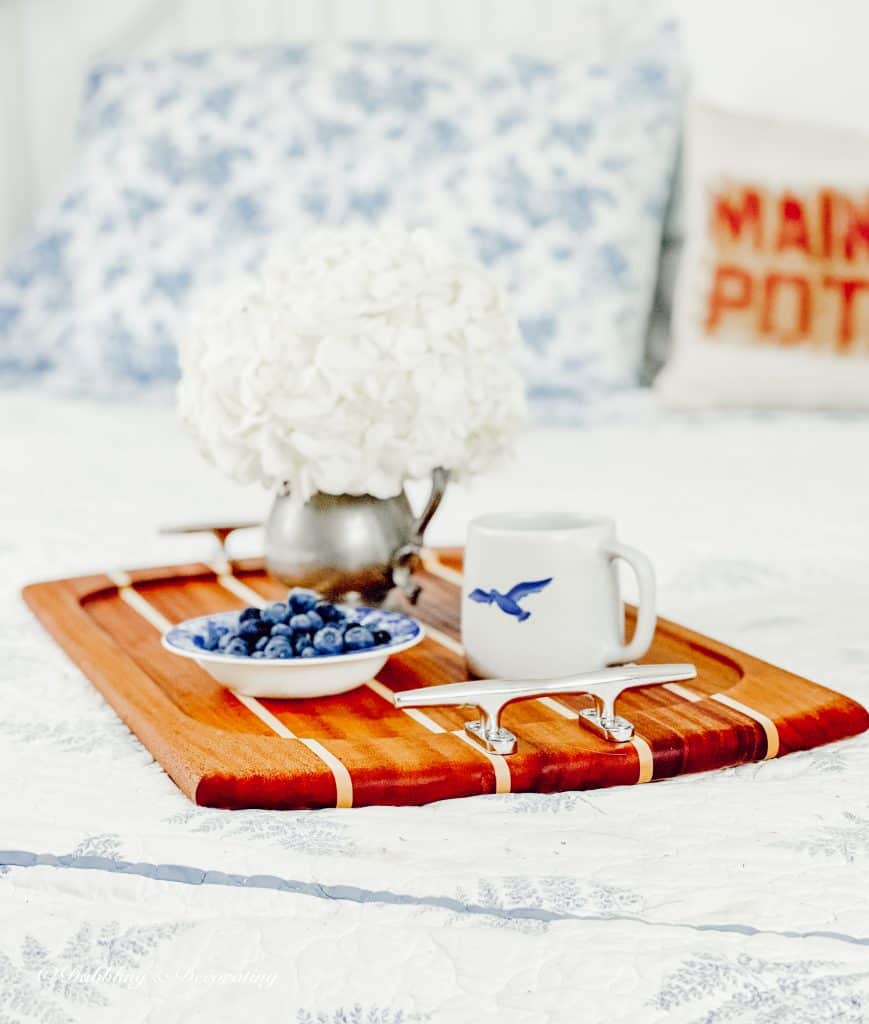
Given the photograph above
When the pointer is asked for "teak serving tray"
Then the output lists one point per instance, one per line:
(357, 748)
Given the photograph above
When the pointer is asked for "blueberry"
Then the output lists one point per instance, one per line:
(301, 600)
(381, 637)
(237, 646)
(261, 643)
(329, 612)
(278, 647)
(258, 654)
(307, 652)
(300, 623)
(274, 613)
(249, 613)
(358, 638)
(329, 640)
(315, 620)
(282, 629)
(301, 641)
(225, 640)
(253, 629)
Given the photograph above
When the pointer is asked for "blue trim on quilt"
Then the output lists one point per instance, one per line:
(199, 876)
(353, 894)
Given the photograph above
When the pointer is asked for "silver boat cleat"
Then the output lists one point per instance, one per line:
(491, 696)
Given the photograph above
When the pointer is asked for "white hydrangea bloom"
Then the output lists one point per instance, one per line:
(354, 362)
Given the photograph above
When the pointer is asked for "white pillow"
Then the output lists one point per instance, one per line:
(772, 303)
(753, 56)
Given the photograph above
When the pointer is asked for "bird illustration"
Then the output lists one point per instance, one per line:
(509, 602)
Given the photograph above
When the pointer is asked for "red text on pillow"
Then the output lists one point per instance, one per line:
(789, 268)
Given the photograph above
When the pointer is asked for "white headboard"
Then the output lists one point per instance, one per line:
(46, 47)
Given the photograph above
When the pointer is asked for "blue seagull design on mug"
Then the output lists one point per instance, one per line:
(509, 602)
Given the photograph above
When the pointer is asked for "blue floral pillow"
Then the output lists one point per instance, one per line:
(555, 173)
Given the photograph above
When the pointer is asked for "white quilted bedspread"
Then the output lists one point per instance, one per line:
(739, 897)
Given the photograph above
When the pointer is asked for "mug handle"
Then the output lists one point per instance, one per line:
(644, 630)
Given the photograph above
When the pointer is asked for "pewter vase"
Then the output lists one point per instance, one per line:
(352, 548)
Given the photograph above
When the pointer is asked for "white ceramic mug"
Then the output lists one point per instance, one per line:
(541, 596)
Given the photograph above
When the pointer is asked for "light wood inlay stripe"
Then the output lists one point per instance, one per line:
(644, 756)
(418, 716)
(767, 724)
(500, 765)
(644, 751)
(264, 715)
(343, 782)
(683, 692)
(559, 708)
(236, 586)
(135, 600)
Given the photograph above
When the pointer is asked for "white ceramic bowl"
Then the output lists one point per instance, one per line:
(292, 677)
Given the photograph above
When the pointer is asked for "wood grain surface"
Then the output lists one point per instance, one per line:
(357, 748)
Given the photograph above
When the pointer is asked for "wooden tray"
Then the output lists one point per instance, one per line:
(357, 748)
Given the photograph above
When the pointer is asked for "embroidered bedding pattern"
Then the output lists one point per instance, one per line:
(554, 172)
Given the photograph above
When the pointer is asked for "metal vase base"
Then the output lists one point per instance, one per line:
(350, 548)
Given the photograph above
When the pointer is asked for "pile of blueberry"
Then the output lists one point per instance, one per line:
(303, 626)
